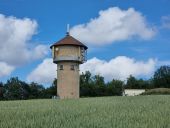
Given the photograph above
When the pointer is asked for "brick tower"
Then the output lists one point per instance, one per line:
(68, 54)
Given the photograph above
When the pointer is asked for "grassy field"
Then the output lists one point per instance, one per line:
(105, 112)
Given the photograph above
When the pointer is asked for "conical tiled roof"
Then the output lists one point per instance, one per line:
(69, 40)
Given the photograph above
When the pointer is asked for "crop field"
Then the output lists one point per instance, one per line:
(104, 112)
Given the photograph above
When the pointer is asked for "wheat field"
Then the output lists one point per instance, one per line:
(101, 112)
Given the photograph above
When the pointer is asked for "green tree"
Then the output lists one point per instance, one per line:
(162, 77)
(16, 89)
(115, 87)
(132, 82)
(1, 90)
(36, 91)
(98, 86)
(52, 90)
(86, 88)
(144, 84)
(98, 80)
(85, 79)
(91, 86)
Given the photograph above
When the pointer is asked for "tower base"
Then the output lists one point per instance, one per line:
(68, 80)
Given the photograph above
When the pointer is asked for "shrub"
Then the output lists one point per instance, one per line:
(157, 91)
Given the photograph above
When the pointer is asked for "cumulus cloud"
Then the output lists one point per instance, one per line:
(119, 68)
(5, 69)
(15, 45)
(113, 25)
(44, 72)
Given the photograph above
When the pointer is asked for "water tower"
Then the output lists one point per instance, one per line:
(68, 53)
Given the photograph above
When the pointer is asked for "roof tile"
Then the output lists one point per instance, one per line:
(69, 40)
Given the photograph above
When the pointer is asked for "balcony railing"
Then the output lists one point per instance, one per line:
(68, 58)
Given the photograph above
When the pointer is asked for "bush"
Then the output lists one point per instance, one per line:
(157, 91)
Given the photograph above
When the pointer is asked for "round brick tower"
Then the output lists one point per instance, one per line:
(68, 53)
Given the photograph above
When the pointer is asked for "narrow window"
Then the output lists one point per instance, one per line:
(61, 67)
(72, 67)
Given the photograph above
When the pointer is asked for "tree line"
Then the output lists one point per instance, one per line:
(95, 85)
(15, 89)
(90, 86)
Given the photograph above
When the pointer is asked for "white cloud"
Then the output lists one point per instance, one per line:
(113, 25)
(44, 72)
(119, 68)
(39, 52)
(15, 46)
(5, 69)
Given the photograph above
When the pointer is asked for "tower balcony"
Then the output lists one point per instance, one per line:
(68, 58)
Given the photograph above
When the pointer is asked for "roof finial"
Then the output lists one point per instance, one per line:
(68, 30)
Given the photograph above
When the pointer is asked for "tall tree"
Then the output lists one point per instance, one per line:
(98, 80)
(162, 77)
(115, 87)
(86, 88)
(16, 89)
(52, 90)
(131, 82)
(85, 79)
(36, 91)
(1, 90)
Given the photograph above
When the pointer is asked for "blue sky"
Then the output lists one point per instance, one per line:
(52, 16)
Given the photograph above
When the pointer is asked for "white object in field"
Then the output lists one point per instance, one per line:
(133, 92)
(55, 97)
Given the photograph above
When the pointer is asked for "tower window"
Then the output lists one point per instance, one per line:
(72, 67)
(61, 67)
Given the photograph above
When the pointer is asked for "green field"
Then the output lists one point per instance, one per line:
(105, 112)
